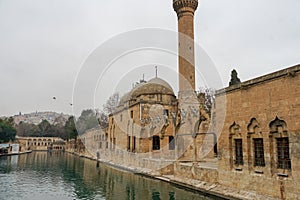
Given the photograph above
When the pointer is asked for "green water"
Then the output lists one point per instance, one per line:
(62, 176)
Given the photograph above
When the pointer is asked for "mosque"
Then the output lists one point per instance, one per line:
(250, 141)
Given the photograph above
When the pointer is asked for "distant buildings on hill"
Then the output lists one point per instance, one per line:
(38, 117)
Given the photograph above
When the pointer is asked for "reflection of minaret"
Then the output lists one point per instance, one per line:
(185, 10)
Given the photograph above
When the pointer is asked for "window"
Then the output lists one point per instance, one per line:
(235, 145)
(131, 114)
(155, 143)
(166, 112)
(128, 143)
(121, 117)
(238, 152)
(259, 158)
(171, 143)
(283, 155)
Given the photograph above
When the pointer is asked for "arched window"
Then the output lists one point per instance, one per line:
(239, 159)
(259, 156)
(235, 145)
(255, 144)
(283, 155)
(279, 144)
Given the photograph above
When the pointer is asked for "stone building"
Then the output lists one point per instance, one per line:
(142, 128)
(144, 118)
(58, 145)
(38, 143)
(250, 141)
(260, 133)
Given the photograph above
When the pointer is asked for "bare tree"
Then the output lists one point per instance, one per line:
(111, 104)
(207, 97)
(108, 108)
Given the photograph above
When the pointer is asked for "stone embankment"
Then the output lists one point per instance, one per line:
(214, 190)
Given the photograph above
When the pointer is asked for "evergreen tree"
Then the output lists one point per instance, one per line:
(7, 131)
(44, 128)
(70, 129)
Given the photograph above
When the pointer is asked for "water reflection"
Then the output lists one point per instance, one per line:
(41, 175)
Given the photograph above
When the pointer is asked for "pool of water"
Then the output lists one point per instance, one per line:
(60, 176)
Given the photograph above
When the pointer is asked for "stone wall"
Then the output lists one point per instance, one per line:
(267, 108)
(194, 171)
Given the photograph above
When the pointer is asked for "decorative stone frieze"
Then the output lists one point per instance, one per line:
(179, 5)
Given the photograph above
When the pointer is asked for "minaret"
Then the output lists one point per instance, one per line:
(185, 10)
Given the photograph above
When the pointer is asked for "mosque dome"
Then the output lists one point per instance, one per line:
(154, 86)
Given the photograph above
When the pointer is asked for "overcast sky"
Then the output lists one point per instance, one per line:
(45, 43)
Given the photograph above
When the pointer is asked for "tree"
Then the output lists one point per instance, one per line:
(70, 129)
(108, 108)
(28, 130)
(21, 129)
(7, 131)
(111, 104)
(208, 98)
(102, 118)
(10, 121)
(44, 127)
(87, 120)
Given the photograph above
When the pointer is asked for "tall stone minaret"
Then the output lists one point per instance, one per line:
(185, 10)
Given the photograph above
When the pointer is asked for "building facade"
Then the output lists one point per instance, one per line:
(259, 141)
(40, 143)
(249, 142)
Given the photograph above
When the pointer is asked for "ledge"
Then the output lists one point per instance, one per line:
(282, 175)
(290, 72)
(258, 171)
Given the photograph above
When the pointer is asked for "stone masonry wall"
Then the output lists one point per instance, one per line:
(264, 100)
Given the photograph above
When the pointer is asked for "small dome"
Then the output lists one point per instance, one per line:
(154, 86)
(124, 99)
(160, 82)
